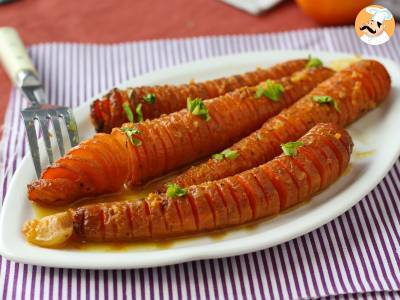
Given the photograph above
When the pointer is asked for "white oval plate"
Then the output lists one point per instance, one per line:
(376, 132)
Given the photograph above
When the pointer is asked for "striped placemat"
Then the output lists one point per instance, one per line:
(356, 254)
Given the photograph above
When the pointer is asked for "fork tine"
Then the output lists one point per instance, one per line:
(33, 144)
(44, 125)
(71, 127)
(57, 131)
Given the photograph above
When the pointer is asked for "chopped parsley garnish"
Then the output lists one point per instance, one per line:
(290, 148)
(227, 153)
(128, 111)
(174, 190)
(149, 98)
(131, 132)
(313, 62)
(326, 100)
(139, 112)
(196, 107)
(270, 89)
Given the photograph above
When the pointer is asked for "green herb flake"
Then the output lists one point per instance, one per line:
(196, 107)
(260, 91)
(326, 100)
(139, 112)
(218, 156)
(230, 154)
(128, 111)
(227, 153)
(270, 89)
(290, 148)
(149, 98)
(313, 62)
(131, 132)
(174, 190)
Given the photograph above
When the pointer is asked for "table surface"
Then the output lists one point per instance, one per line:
(105, 22)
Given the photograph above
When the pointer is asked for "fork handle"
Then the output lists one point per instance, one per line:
(13, 54)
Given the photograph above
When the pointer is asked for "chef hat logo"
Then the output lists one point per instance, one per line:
(379, 14)
(374, 25)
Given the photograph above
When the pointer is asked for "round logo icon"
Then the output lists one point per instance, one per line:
(374, 25)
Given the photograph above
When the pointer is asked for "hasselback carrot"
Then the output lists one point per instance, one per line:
(341, 99)
(145, 150)
(109, 112)
(257, 193)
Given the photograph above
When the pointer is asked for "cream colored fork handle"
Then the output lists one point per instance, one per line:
(13, 54)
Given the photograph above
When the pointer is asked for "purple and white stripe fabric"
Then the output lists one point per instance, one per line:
(356, 255)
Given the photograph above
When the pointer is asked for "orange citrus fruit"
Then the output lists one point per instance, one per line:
(333, 12)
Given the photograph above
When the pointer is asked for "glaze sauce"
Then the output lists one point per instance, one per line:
(128, 195)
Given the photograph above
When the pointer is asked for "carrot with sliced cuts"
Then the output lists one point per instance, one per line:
(173, 218)
(189, 219)
(142, 151)
(58, 171)
(108, 112)
(141, 221)
(312, 173)
(159, 225)
(219, 204)
(205, 214)
(298, 176)
(329, 159)
(254, 193)
(271, 196)
(345, 97)
(226, 197)
(240, 197)
(257, 193)
(284, 184)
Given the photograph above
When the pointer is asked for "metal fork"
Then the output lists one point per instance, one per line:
(24, 76)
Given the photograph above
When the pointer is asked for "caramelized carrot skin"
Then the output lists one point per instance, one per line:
(107, 112)
(106, 162)
(356, 89)
(97, 166)
(254, 194)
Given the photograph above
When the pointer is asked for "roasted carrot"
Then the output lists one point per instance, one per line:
(254, 194)
(145, 150)
(118, 106)
(340, 99)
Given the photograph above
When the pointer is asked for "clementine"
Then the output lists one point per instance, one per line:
(333, 12)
